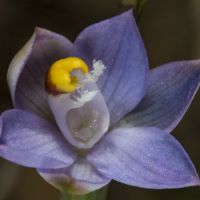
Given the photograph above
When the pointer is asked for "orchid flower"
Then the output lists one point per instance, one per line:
(92, 111)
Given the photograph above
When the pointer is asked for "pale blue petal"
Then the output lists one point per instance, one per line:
(29, 140)
(117, 42)
(171, 88)
(144, 157)
(27, 71)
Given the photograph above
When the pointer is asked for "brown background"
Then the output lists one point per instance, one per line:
(171, 31)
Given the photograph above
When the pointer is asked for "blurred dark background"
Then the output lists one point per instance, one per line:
(171, 31)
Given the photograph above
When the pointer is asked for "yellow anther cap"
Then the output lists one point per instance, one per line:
(59, 78)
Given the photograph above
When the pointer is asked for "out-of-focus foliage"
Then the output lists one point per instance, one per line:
(128, 2)
(8, 177)
(137, 5)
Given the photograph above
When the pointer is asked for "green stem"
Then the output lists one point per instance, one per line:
(96, 195)
(139, 8)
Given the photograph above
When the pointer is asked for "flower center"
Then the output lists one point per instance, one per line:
(76, 102)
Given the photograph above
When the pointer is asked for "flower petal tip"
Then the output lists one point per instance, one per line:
(39, 31)
(193, 181)
(47, 34)
(129, 14)
(196, 181)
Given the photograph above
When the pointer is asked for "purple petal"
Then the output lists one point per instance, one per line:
(171, 89)
(144, 157)
(118, 44)
(80, 178)
(33, 142)
(27, 70)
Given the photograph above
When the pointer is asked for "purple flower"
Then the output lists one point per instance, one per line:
(115, 124)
